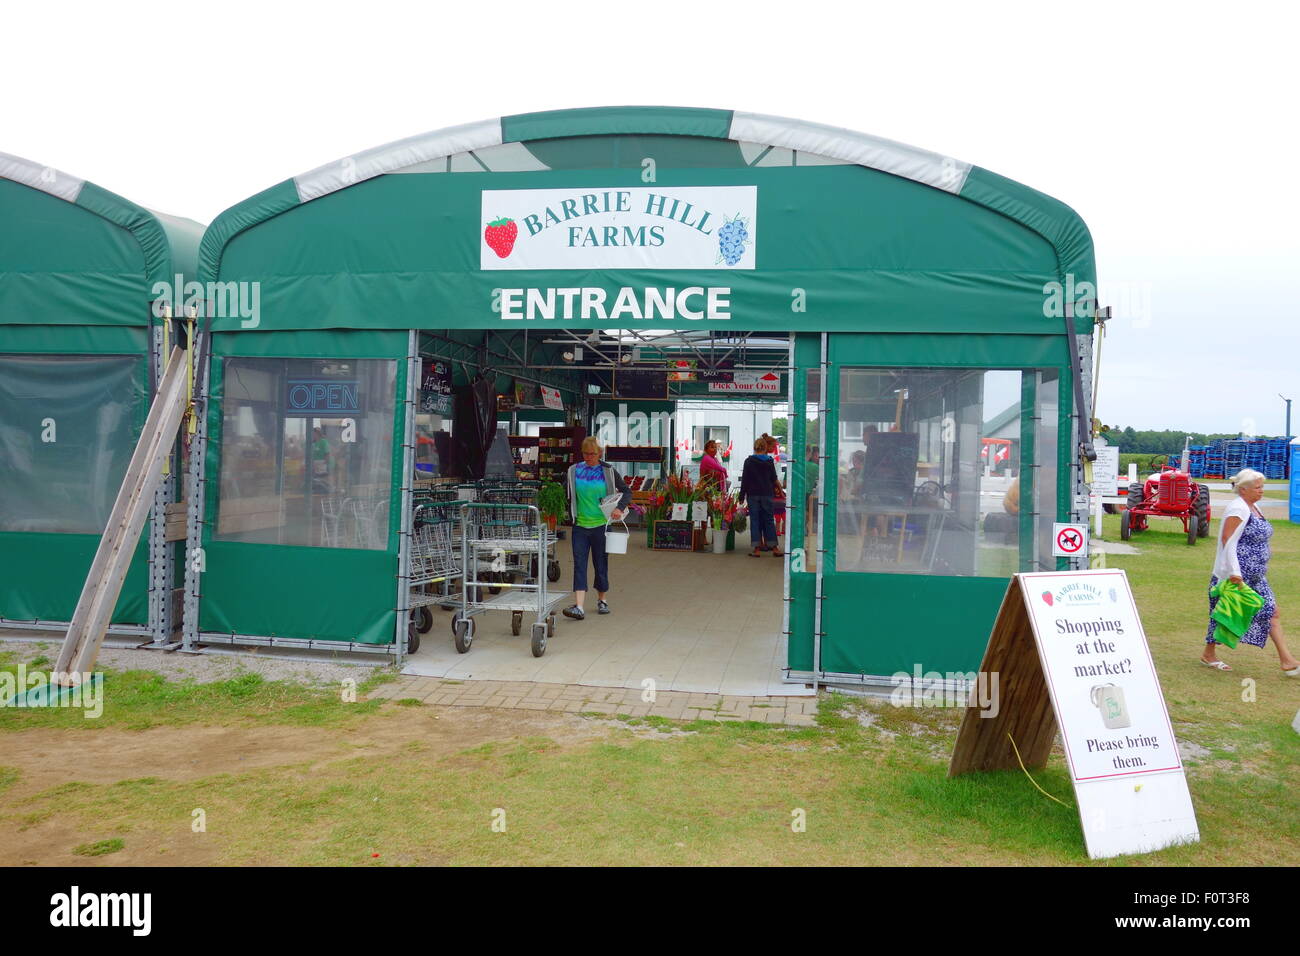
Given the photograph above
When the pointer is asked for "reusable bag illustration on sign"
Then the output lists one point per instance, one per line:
(1238, 604)
(1109, 699)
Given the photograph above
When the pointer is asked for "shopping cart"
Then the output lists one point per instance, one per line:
(435, 562)
(516, 492)
(502, 545)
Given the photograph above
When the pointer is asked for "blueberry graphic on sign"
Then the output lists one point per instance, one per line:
(732, 239)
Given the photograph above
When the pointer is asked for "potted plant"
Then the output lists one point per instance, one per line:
(551, 502)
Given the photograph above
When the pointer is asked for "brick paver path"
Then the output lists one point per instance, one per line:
(576, 699)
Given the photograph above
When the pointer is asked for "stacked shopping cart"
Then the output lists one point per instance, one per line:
(504, 544)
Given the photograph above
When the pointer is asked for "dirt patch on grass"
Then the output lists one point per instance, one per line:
(42, 764)
(318, 669)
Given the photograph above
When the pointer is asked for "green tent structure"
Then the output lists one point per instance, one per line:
(908, 304)
(80, 272)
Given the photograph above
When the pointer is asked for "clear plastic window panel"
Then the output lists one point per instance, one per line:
(68, 428)
(929, 471)
(307, 448)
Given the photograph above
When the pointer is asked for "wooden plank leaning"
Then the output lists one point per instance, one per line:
(130, 511)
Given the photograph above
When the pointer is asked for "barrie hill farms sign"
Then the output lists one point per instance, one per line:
(687, 227)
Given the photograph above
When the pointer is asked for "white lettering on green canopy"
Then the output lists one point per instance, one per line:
(668, 227)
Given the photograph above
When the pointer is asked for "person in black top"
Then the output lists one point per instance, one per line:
(758, 483)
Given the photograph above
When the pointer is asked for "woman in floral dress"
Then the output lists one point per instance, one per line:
(1242, 556)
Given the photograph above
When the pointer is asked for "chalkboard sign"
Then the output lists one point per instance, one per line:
(889, 468)
(674, 536)
(640, 383)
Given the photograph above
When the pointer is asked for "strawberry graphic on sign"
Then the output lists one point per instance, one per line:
(500, 235)
(1047, 596)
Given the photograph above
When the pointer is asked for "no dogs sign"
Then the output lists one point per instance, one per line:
(1069, 540)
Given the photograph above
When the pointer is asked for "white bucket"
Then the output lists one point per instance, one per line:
(719, 541)
(616, 541)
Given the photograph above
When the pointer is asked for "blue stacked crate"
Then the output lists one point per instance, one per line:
(1214, 460)
(1196, 460)
(1234, 456)
(1256, 451)
(1275, 458)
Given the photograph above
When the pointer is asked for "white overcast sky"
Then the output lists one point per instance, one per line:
(1171, 128)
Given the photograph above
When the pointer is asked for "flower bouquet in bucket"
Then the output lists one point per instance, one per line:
(724, 512)
(739, 525)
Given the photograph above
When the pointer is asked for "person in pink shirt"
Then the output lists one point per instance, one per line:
(711, 469)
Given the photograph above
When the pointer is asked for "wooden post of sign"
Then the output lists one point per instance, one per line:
(1025, 709)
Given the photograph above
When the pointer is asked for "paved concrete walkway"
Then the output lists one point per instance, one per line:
(578, 699)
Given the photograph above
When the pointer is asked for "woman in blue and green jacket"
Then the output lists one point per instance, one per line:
(588, 483)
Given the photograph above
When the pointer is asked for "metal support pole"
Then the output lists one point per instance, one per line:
(821, 514)
(195, 560)
(160, 552)
(792, 506)
(407, 496)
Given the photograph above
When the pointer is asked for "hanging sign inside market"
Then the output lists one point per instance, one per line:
(669, 227)
(435, 388)
(749, 382)
(551, 398)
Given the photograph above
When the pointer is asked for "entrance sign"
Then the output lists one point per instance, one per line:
(1092, 672)
(749, 382)
(668, 227)
(1069, 540)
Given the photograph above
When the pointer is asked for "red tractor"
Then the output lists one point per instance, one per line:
(1170, 494)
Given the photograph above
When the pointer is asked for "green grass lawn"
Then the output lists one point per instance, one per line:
(869, 779)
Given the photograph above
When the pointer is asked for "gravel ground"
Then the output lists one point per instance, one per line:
(313, 668)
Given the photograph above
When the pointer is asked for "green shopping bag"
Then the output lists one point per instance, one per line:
(1238, 604)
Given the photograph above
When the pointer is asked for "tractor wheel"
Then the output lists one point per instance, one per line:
(1201, 505)
(1192, 525)
(1125, 531)
(1135, 495)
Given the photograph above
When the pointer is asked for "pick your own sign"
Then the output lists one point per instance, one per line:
(1070, 649)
